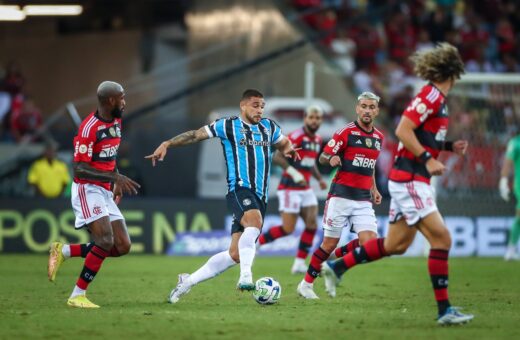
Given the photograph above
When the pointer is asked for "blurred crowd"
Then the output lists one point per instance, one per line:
(19, 116)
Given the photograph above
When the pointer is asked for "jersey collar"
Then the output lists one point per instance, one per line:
(365, 131)
(101, 119)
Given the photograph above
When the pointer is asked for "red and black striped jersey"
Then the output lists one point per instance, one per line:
(97, 143)
(310, 150)
(358, 150)
(429, 112)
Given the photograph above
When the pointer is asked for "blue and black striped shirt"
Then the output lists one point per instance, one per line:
(248, 149)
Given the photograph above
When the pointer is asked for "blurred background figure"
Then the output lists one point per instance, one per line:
(48, 175)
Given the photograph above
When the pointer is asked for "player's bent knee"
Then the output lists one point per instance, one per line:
(105, 242)
(235, 256)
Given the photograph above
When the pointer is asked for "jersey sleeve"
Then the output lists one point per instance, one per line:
(84, 144)
(420, 108)
(276, 133)
(510, 151)
(217, 129)
(336, 143)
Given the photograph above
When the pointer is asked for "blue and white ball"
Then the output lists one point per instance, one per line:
(267, 291)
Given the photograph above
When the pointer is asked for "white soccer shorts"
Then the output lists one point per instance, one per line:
(291, 201)
(91, 202)
(411, 200)
(341, 212)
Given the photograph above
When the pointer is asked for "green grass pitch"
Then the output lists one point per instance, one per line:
(389, 299)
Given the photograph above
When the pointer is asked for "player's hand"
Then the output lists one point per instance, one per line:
(434, 167)
(323, 184)
(159, 153)
(376, 196)
(503, 188)
(127, 185)
(292, 153)
(460, 147)
(335, 161)
(118, 193)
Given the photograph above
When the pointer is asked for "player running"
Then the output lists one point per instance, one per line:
(354, 149)
(93, 201)
(422, 133)
(248, 142)
(295, 196)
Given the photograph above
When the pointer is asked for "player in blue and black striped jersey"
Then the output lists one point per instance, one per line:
(248, 143)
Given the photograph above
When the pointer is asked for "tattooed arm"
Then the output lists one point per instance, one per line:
(185, 138)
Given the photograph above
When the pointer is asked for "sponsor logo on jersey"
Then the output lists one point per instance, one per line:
(101, 127)
(357, 133)
(336, 148)
(108, 151)
(331, 143)
(440, 136)
(250, 142)
(89, 151)
(246, 202)
(364, 162)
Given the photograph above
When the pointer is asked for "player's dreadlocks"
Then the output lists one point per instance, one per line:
(438, 64)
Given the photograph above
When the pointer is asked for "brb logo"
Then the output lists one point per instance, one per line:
(364, 162)
(108, 151)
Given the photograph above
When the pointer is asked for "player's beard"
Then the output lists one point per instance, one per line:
(116, 112)
(312, 129)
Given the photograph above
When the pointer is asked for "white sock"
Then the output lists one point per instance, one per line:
(216, 264)
(247, 249)
(298, 260)
(77, 291)
(65, 250)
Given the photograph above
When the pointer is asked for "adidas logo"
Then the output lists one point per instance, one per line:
(359, 141)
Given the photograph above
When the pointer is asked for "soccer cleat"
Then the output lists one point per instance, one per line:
(452, 316)
(182, 288)
(331, 279)
(299, 267)
(245, 282)
(81, 301)
(511, 254)
(56, 258)
(305, 290)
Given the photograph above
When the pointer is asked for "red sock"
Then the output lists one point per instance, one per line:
(271, 235)
(342, 251)
(80, 250)
(318, 257)
(438, 269)
(305, 243)
(372, 250)
(93, 263)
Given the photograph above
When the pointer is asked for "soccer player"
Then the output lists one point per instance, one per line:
(93, 200)
(422, 133)
(295, 196)
(354, 150)
(248, 142)
(512, 164)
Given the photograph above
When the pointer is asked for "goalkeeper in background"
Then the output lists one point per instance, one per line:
(512, 164)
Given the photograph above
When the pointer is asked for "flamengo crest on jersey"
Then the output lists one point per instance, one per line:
(248, 150)
(97, 143)
(309, 151)
(358, 150)
(429, 112)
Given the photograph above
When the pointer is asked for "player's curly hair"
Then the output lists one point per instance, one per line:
(438, 64)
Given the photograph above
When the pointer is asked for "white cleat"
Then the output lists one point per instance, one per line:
(299, 266)
(183, 287)
(245, 282)
(331, 280)
(306, 290)
(511, 254)
(452, 316)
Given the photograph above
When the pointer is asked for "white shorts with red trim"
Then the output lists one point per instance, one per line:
(341, 212)
(291, 201)
(91, 202)
(411, 200)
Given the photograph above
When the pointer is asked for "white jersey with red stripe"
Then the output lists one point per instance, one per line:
(97, 143)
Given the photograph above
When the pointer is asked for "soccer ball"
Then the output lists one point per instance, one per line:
(267, 291)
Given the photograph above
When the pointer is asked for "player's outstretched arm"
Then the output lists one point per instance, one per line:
(84, 171)
(286, 148)
(185, 138)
